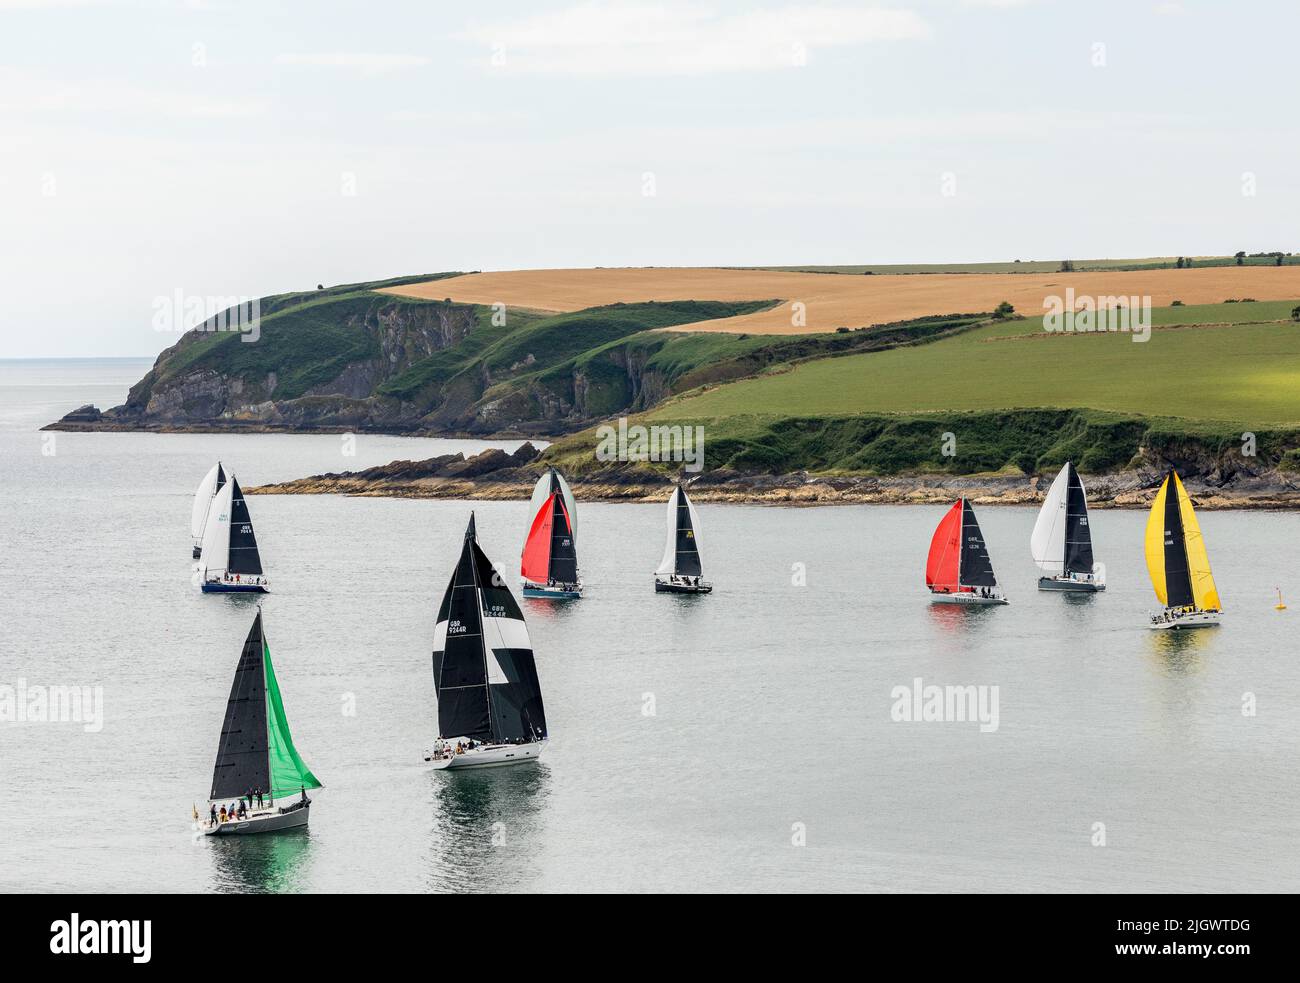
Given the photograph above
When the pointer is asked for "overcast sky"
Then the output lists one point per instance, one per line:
(228, 148)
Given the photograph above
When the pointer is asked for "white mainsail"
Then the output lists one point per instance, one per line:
(1047, 543)
(542, 491)
(203, 502)
(216, 535)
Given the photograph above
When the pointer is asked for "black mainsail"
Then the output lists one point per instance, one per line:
(1078, 537)
(564, 554)
(242, 761)
(484, 671)
(976, 567)
(687, 562)
(244, 558)
(1178, 578)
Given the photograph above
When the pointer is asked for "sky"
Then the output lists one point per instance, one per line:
(152, 150)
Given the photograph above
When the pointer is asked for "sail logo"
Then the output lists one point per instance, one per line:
(945, 704)
(683, 444)
(23, 704)
(179, 312)
(1085, 314)
(102, 937)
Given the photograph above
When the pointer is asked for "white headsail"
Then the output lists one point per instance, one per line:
(1047, 543)
(203, 502)
(216, 535)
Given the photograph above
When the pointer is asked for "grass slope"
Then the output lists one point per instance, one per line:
(1234, 363)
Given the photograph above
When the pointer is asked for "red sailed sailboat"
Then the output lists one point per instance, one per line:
(549, 565)
(958, 570)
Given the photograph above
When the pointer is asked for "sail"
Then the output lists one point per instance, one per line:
(244, 558)
(1205, 595)
(216, 537)
(535, 563)
(242, 761)
(1047, 542)
(484, 670)
(459, 668)
(1166, 547)
(942, 566)
(1078, 537)
(687, 537)
(976, 567)
(549, 483)
(564, 557)
(289, 774)
(668, 562)
(203, 502)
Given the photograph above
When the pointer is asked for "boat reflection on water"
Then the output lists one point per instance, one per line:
(272, 864)
(955, 618)
(488, 828)
(1178, 653)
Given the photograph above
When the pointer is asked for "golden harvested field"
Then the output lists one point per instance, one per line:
(833, 300)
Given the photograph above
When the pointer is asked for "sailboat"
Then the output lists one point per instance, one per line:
(1061, 542)
(1178, 563)
(230, 563)
(958, 569)
(256, 760)
(549, 564)
(679, 571)
(490, 711)
(212, 483)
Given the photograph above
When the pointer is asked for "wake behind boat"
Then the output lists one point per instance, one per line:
(490, 711)
(212, 483)
(549, 564)
(1062, 541)
(680, 571)
(958, 569)
(257, 762)
(1178, 563)
(230, 562)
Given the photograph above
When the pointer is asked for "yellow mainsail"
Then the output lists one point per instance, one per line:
(1155, 543)
(1198, 561)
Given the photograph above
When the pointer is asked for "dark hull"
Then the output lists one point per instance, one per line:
(1075, 586)
(233, 589)
(662, 588)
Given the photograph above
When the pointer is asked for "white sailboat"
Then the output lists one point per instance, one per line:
(230, 562)
(212, 483)
(490, 711)
(680, 571)
(1061, 542)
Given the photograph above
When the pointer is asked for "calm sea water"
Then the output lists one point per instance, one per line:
(695, 740)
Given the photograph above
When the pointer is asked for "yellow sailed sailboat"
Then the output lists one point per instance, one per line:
(1177, 561)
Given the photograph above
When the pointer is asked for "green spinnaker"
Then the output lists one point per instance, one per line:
(289, 773)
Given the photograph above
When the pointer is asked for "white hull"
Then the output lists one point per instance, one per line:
(488, 756)
(1070, 584)
(1197, 619)
(266, 821)
(967, 600)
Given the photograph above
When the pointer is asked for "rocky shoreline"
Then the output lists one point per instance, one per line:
(497, 475)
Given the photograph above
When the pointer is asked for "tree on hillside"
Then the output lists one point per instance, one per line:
(1295, 314)
(1179, 264)
(1067, 266)
(1003, 309)
(1241, 257)
(1279, 259)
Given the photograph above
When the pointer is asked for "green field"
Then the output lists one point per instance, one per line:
(1232, 363)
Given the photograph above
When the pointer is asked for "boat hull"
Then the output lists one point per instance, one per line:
(551, 593)
(968, 600)
(670, 587)
(1073, 586)
(490, 756)
(269, 822)
(1197, 619)
(235, 589)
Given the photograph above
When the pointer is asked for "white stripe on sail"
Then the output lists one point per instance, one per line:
(668, 565)
(506, 633)
(1047, 543)
(216, 536)
(203, 503)
(440, 636)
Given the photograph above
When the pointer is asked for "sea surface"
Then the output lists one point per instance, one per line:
(738, 742)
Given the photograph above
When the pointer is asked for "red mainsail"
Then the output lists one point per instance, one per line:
(535, 566)
(943, 566)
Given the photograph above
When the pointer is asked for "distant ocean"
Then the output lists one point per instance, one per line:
(742, 741)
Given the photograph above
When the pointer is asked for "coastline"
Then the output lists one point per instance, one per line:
(495, 475)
